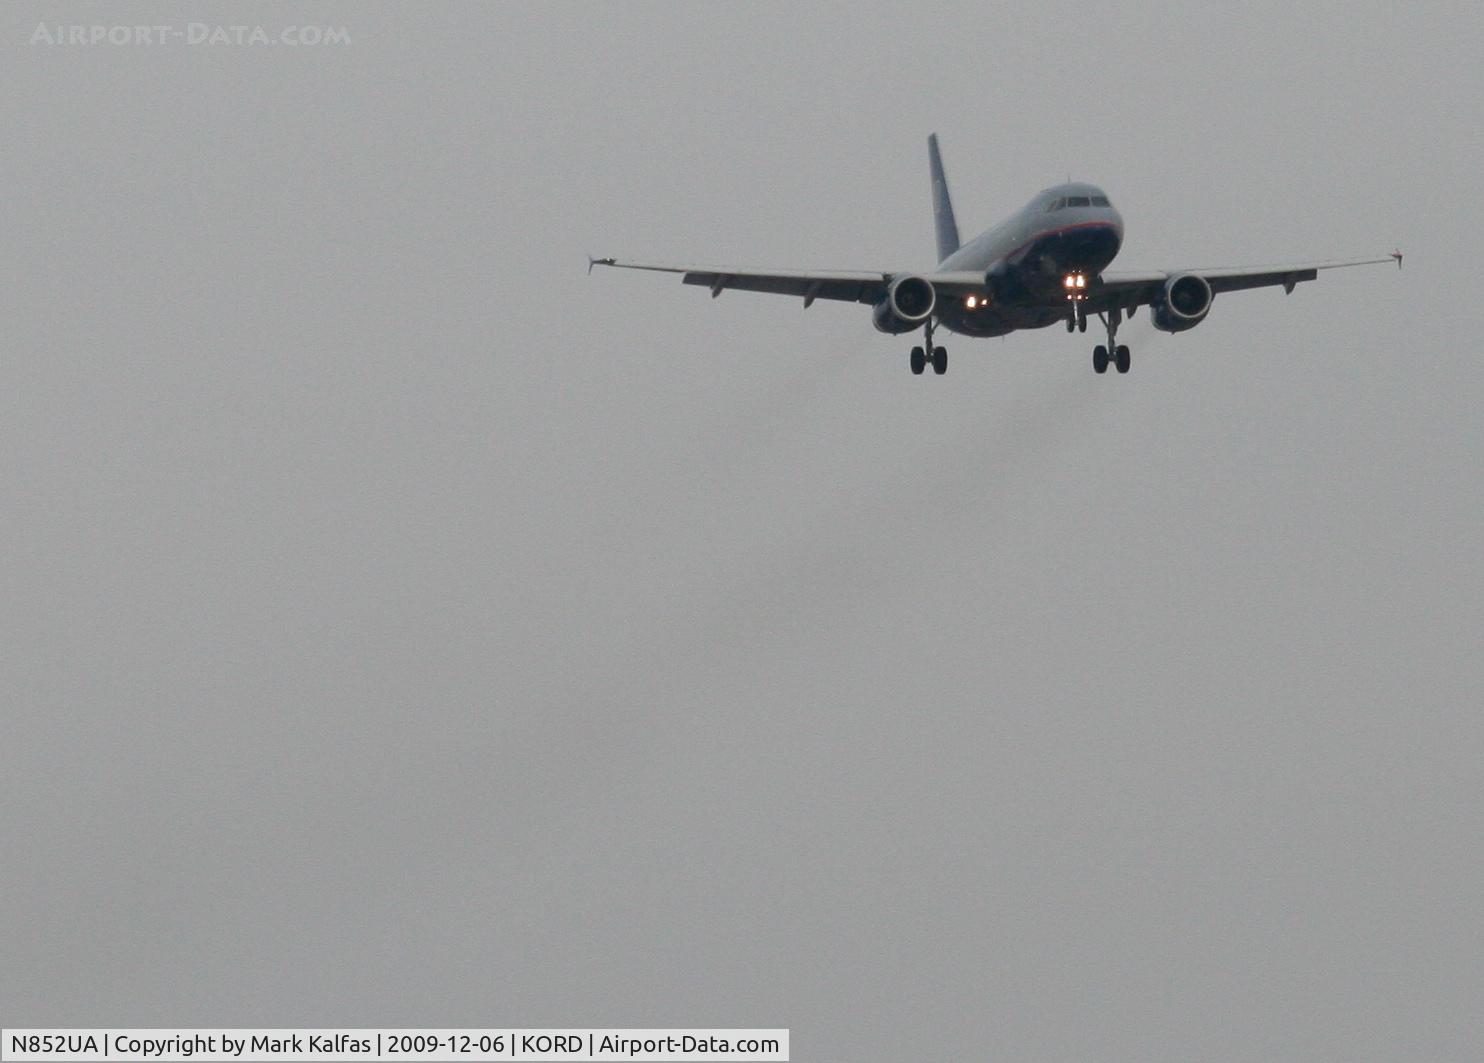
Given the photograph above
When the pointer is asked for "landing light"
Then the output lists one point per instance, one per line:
(971, 302)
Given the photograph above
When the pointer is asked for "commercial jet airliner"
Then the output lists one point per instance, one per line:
(1044, 265)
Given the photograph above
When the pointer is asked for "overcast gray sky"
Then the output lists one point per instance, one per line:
(402, 627)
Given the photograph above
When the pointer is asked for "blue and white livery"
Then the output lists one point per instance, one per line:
(1045, 264)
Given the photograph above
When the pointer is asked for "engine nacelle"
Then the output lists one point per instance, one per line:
(1183, 304)
(909, 302)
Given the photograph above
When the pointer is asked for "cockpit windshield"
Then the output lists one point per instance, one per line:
(1076, 201)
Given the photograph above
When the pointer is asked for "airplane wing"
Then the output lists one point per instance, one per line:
(809, 285)
(1128, 290)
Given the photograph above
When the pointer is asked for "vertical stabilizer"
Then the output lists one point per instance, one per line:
(942, 205)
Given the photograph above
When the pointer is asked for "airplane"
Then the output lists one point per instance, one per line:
(1046, 264)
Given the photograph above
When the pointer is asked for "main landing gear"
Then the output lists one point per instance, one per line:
(1119, 354)
(937, 355)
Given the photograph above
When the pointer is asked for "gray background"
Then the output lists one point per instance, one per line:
(402, 627)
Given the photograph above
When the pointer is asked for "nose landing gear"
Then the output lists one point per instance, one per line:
(1076, 287)
(1118, 354)
(1077, 319)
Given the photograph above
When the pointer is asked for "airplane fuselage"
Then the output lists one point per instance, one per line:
(1068, 230)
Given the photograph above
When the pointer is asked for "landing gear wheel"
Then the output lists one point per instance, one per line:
(1071, 322)
(1117, 354)
(919, 361)
(940, 360)
(1081, 319)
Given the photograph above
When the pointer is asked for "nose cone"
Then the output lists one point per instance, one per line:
(1084, 230)
(1087, 204)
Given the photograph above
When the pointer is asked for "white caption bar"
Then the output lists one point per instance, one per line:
(414, 1046)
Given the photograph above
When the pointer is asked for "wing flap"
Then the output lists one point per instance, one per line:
(851, 286)
(854, 286)
(1129, 290)
(846, 287)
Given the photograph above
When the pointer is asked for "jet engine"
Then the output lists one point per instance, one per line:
(1183, 304)
(909, 302)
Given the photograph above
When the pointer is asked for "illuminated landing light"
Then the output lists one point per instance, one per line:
(971, 302)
